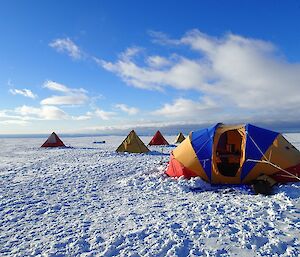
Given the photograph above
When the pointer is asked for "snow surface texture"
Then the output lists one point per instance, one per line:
(90, 201)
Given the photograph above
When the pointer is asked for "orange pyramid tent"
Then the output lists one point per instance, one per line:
(53, 141)
(158, 139)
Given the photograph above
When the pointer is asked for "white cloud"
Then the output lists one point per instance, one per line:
(104, 115)
(247, 73)
(161, 38)
(155, 78)
(8, 114)
(49, 110)
(130, 53)
(241, 75)
(66, 45)
(125, 108)
(75, 99)
(98, 113)
(72, 96)
(81, 117)
(15, 122)
(185, 109)
(146, 126)
(25, 92)
(157, 61)
(243, 78)
(52, 85)
(24, 114)
(42, 113)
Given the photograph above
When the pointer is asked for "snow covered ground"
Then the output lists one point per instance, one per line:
(90, 201)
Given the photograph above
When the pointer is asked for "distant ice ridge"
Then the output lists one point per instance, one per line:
(90, 201)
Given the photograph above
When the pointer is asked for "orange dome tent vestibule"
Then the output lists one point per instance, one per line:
(158, 139)
(53, 141)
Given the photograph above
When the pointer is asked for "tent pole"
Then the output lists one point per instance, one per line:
(257, 146)
(275, 166)
(204, 144)
(269, 161)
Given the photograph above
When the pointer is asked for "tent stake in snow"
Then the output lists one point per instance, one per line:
(162, 151)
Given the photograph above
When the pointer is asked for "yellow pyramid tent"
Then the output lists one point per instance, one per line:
(179, 138)
(132, 144)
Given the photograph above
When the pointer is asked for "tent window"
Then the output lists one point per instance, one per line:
(229, 153)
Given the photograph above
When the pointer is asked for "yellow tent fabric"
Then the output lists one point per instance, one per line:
(188, 158)
(180, 137)
(281, 152)
(132, 144)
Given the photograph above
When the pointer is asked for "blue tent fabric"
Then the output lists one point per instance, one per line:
(202, 142)
(263, 138)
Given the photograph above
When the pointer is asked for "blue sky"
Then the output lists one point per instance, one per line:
(105, 66)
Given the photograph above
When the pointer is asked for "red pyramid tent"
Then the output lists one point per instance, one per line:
(53, 141)
(158, 139)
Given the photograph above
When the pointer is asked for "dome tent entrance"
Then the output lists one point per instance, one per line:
(233, 154)
(53, 141)
(132, 144)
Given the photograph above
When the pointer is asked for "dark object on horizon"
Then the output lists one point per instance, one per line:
(99, 142)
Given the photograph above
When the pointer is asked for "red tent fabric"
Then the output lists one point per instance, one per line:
(158, 139)
(53, 141)
(176, 169)
(283, 177)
